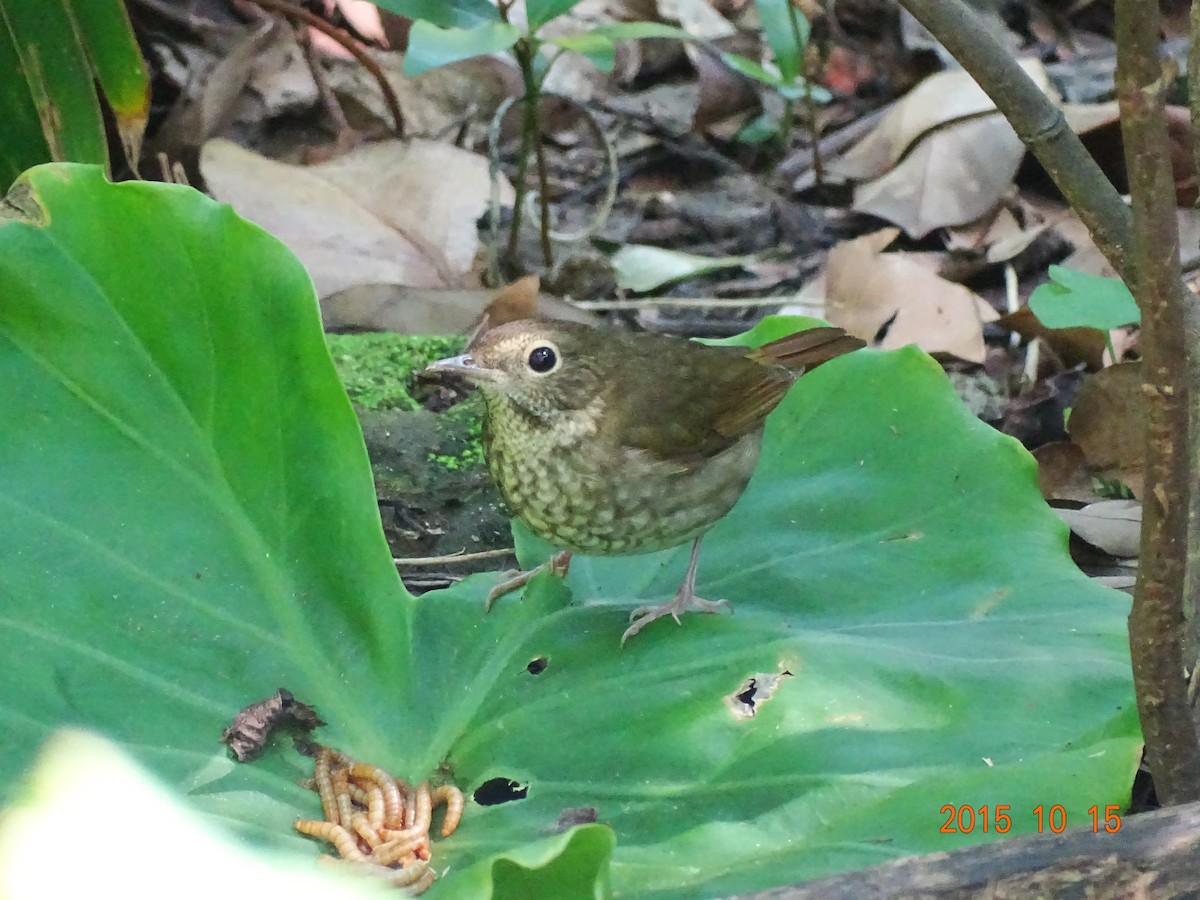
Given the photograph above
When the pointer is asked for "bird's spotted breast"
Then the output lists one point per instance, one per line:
(585, 495)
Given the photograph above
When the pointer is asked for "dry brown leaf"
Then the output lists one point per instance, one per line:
(1108, 422)
(390, 213)
(941, 156)
(952, 176)
(1084, 117)
(1071, 345)
(1063, 473)
(866, 288)
(998, 232)
(725, 95)
(937, 101)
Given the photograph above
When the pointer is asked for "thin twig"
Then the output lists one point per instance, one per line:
(813, 304)
(314, 69)
(461, 556)
(611, 184)
(494, 272)
(295, 12)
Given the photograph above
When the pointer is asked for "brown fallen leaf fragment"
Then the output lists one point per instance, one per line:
(942, 156)
(251, 728)
(379, 825)
(1063, 474)
(1072, 346)
(1108, 423)
(868, 291)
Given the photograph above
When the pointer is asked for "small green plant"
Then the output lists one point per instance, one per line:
(446, 32)
(786, 31)
(1072, 299)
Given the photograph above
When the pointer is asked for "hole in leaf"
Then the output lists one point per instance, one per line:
(495, 791)
(537, 665)
(754, 691)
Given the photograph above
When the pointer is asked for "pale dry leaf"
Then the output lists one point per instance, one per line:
(938, 100)
(953, 175)
(941, 156)
(434, 102)
(403, 309)
(389, 213)
(363, 15)
(997, 232)
(976, 235)
(697, 18)
(865, 289)
(282, 79)
(1115, 526)
(1083, 117)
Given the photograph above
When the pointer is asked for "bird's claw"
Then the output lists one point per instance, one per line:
(512, 579)
(644, 615)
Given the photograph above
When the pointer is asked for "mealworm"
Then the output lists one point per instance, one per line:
(363, 828)
(393, 851)
(422, 884)
(341, 794)
(455, 802)
(322, 775)
(410, 803)
(342, 840)
(410, 876)
(423, 808)
(374, 775)
(377, 806)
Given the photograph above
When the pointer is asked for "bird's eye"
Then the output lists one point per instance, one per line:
(542, 359)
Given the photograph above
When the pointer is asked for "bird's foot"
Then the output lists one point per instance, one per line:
(683, 601)
(513, 578)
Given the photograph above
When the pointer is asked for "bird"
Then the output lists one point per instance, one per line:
(611, 443)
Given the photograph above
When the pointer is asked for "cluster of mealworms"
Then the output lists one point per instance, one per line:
(379, 825)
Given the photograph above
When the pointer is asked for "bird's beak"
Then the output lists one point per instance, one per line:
(465, 366)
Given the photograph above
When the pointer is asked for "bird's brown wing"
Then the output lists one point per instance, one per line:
(805, 350)
(687, 402)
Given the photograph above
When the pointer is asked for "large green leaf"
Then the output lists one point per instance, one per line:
(189, 523)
